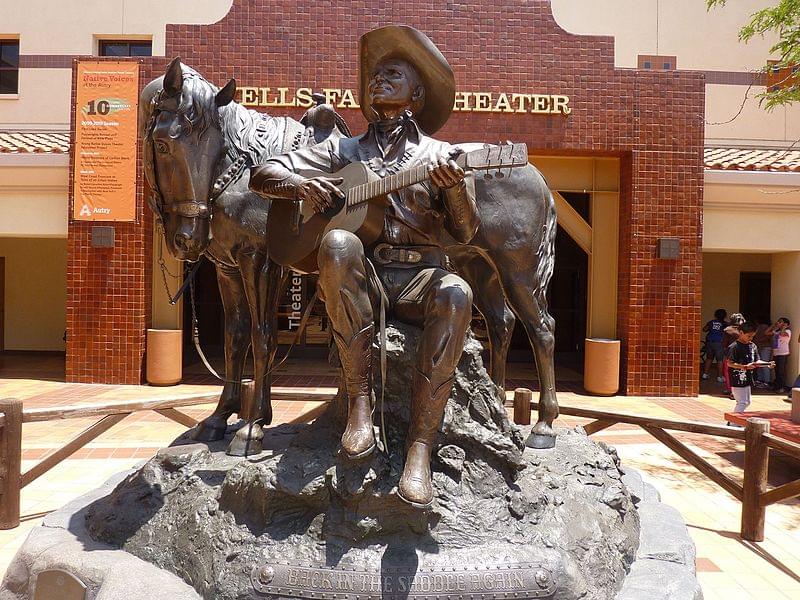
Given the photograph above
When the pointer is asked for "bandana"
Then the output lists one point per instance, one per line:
(391, 134)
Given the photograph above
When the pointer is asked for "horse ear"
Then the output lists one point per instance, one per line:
(226, 94)
(173, 79)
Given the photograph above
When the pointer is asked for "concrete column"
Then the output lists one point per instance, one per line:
(603, 262)
(786, 302)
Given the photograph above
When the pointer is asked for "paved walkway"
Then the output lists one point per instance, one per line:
(728, 568)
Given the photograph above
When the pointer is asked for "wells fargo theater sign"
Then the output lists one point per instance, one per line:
(502, 102)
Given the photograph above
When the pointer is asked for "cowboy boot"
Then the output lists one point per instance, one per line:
(427, 408)
(358, 439)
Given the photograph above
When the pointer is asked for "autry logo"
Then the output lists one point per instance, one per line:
(503, 102)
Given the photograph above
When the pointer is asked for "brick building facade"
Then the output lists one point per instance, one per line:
(651, 120)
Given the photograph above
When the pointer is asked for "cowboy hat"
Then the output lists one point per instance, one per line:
(413, 46)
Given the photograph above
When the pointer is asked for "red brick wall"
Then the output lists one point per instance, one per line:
(108, 294)
(652, 120)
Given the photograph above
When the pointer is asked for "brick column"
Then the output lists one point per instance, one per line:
(108, 295)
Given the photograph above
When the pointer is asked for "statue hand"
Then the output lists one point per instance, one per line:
(445, 173)
(320, 192)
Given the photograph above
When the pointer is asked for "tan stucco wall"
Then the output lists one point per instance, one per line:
(761, 216)
(701, 40)
(35, 293)
(753, 126)
(43, 101)
(683, 28)
(33, 200)
(74, 27)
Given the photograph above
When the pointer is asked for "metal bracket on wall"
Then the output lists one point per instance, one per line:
(669, 247)
(102, 236)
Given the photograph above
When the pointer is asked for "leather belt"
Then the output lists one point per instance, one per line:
(385, 254)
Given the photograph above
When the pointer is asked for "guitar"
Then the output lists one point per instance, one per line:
(295, 230)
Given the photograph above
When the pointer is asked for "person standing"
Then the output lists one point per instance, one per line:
(742, 356)
(715, 330)
(763, 341)
(780, 351)
(731, 334)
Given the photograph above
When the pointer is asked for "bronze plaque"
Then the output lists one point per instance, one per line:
(484, 582)
(59, 585)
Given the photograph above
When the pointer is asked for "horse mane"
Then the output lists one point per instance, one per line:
(249, 132)
(246, 132)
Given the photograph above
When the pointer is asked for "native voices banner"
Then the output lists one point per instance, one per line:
(106, 98)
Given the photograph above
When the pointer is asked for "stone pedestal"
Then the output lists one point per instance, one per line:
(302, 521)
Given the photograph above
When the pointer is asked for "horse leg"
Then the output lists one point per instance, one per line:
(262, 285)
(489, 299)
(237, 341)
(530, 306)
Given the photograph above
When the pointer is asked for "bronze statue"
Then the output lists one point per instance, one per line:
(190, 160)
(407, 89)
(197, 147)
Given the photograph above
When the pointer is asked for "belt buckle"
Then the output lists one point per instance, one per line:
(376, 253)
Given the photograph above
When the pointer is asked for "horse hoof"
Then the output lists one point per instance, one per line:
(542, 437)
(209, 432)
(247, 441)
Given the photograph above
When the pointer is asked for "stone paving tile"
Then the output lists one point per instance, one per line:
(728, 568)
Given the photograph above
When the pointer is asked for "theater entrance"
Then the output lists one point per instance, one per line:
(582, 296)
(566, 299)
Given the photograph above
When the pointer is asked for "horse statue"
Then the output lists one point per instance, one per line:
(198, 146)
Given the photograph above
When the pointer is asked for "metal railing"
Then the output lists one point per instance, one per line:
(13, 415)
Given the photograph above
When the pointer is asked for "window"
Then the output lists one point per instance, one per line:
(125, 48)
(654, 62)
(9, 66)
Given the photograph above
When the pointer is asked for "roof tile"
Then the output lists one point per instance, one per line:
(18, 142)
(747, 159)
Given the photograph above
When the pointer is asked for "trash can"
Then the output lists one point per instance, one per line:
(164, 356)
(601, 366)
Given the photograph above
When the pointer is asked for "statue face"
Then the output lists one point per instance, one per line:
(394, 86)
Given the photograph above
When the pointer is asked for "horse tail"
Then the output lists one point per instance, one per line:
(545, 253)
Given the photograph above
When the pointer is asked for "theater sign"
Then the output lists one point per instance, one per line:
(492, 102)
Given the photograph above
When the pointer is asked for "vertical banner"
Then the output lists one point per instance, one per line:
(106, 102)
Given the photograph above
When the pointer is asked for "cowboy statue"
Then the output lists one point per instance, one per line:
(407, 92)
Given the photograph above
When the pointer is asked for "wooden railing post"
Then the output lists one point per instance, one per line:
(522, 406)
(10, 463)
(756, 467)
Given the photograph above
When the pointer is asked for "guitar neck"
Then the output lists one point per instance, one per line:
(507, 155)
(362, 193)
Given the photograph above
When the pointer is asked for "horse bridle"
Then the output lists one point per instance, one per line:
(190, 209)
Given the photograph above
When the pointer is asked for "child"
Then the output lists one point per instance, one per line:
(714, 351)
(763, 341)
(731, 334)
(742, 361)
(780, 352)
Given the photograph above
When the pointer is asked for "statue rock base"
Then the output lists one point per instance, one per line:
(302, 520)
